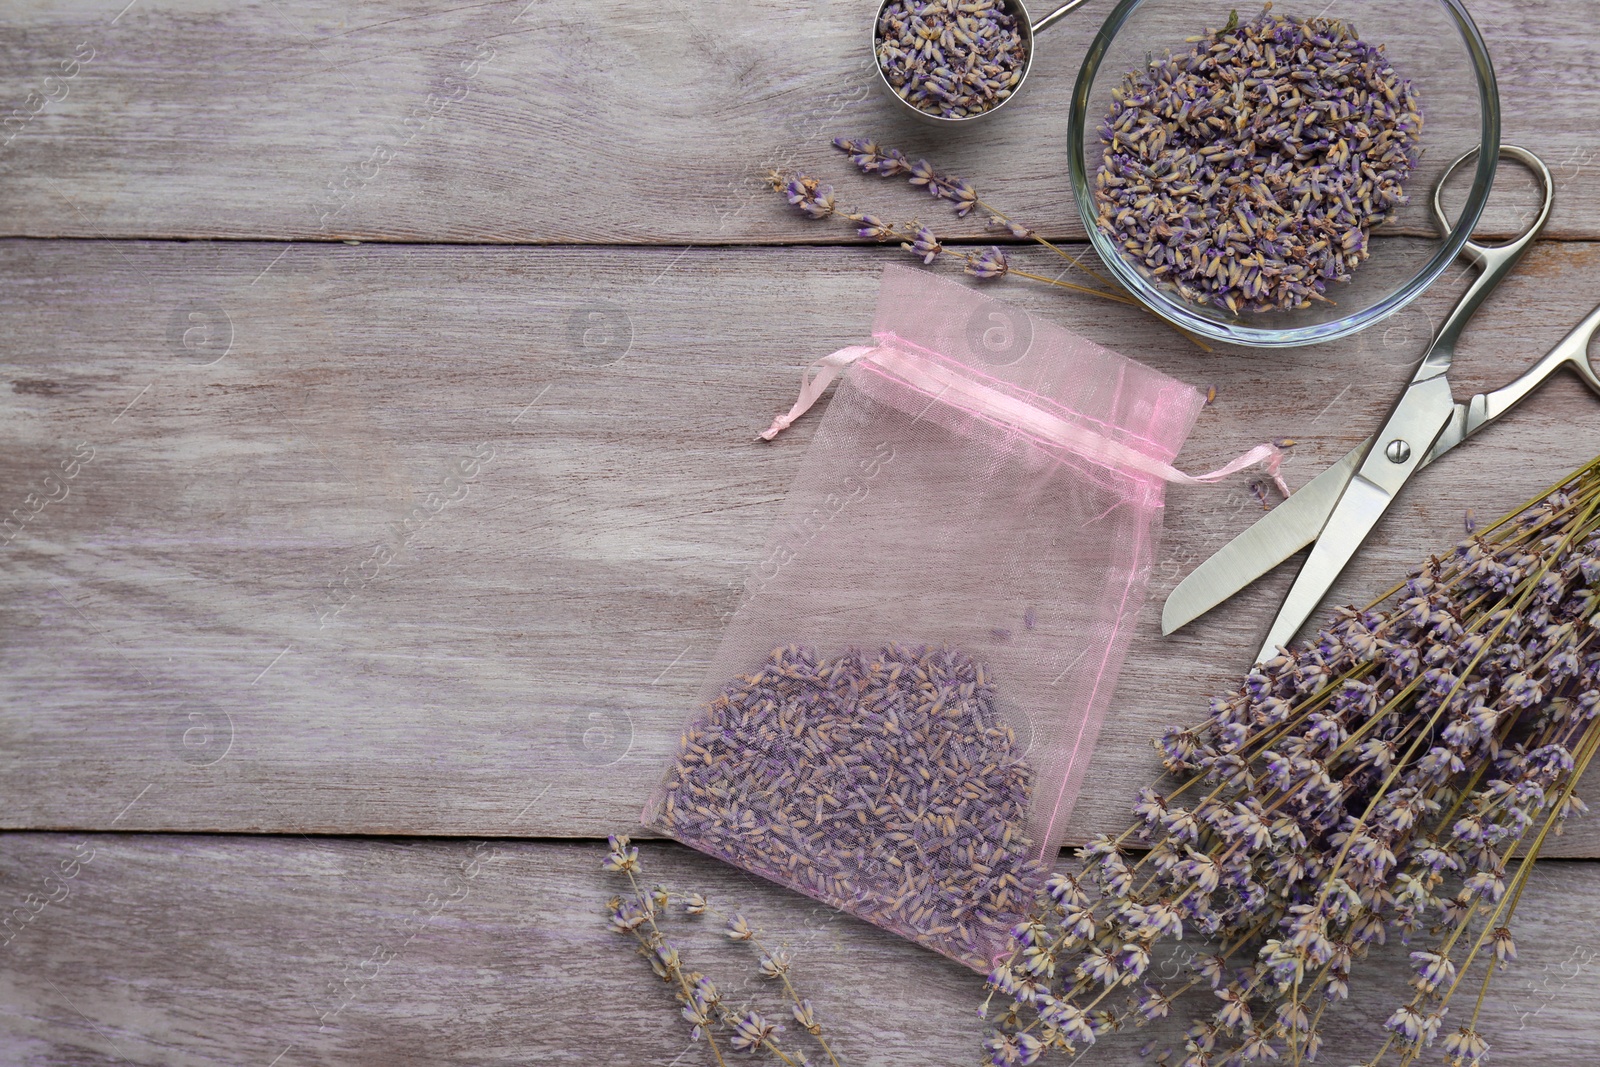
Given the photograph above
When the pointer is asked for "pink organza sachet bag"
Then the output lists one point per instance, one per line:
(900, 714)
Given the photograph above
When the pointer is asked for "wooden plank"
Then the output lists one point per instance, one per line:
(519, 121)
(249, 613)
(200, 950)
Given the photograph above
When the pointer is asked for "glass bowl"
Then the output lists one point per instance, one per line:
(1433, 43)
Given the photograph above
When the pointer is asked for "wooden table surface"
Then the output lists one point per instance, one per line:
(273, 271)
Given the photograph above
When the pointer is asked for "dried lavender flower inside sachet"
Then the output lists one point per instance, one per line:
(883, 783)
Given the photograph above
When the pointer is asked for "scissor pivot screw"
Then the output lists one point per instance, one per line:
(1398, 451)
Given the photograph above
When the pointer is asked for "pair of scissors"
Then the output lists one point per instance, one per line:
(1340, 507)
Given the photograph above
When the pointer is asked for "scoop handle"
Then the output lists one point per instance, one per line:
(1057, 15)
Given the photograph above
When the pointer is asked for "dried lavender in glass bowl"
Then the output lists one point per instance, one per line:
(885, 784)
(1249, 171)
(1432, 44)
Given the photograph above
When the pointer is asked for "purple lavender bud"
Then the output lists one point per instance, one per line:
(1079, 922)
(1550, 761)
(990, 263)
(874, 227)
(1522, 691)
(1067, 1018)
(1433, 969)
(893, 164)
(1097, 966)
(1064, 889)
(1587, 704)
(813, 199)
(926, 246)
(820, 204)
(1003, 980)
(1133, 958)
(1407, 1022)
(862, 152)
(1015, 229)
(964, 196)
(1150, 807)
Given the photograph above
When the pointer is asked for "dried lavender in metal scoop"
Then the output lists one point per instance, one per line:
(951, 58)
(882, 783)
(1249, 171)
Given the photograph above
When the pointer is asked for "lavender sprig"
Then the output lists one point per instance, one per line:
(815, 200)
(704, 1009)
(871, 159)
(1411, 761)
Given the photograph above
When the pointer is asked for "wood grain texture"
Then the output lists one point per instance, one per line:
(400, 539)
(530, 121)
(275, 599)
(201, 950)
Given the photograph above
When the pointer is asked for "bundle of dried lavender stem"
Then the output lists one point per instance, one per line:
(1409, 762)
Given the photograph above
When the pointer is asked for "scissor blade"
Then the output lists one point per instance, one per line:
(1279, 534)
(1399, 450)
(1358, 511)
(1276, 536)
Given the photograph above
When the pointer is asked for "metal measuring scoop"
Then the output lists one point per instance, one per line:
(1028, 30)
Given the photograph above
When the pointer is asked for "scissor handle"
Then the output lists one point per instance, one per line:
(1573, 352)
(1496, 261)
(1487, 256)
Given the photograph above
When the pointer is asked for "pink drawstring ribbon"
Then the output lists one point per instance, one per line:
(814, 382)
(938, 380)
